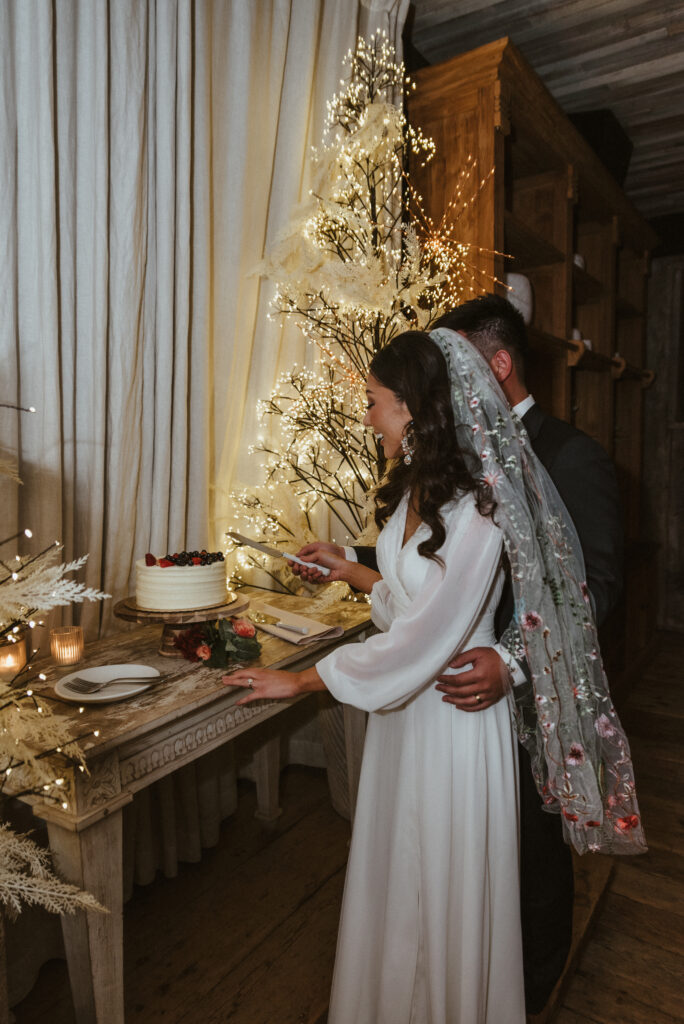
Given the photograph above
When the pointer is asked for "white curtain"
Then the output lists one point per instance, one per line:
(148, 153)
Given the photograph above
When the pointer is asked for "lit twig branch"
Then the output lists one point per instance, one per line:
(35, 745)
(360, 265)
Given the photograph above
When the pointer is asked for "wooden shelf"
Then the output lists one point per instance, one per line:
(583, 358)
(631, 372)
(585, 287)
(526, 247)
(548, 344)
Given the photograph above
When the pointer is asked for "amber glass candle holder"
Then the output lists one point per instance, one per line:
(12, 656)
(66, 644)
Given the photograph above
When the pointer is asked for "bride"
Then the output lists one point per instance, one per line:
(430, 927)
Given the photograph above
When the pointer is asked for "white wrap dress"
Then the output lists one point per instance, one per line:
(430, 926)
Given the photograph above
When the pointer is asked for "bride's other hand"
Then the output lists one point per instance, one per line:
(332, 556)
(318, 551)
(480, 686)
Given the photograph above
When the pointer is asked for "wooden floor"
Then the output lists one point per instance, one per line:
(248, 935)
(632, 968)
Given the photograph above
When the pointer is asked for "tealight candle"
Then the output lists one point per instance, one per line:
(12, 656)
(66, 644)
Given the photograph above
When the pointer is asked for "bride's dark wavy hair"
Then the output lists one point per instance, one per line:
(413, 367)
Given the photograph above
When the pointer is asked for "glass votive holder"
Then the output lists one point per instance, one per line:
(12, 655)
(66, 644)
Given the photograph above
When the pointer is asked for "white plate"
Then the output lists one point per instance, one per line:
(100, 673)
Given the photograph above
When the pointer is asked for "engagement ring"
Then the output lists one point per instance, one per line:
(478, 698)
(250, 683)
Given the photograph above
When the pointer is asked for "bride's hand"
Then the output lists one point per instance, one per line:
(270, 684)
(325, 554)
(264, 683)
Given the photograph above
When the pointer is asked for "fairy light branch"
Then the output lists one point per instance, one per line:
(361, 263)
(36, 745)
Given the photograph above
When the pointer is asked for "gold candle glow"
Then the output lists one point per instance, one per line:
(66, 644)
(12, 656)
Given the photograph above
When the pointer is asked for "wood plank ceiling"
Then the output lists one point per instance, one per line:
(624, 55)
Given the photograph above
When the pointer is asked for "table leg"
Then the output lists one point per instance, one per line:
(92, 859)
(267, 777)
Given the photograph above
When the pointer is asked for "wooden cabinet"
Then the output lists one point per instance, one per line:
(550, 210)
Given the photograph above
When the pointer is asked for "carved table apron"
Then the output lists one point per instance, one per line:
(141, 740)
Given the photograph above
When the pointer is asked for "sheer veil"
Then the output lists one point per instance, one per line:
(566, 719)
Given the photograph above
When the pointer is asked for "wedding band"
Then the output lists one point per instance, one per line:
(478, 698)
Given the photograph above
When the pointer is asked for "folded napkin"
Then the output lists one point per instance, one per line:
(317, 630)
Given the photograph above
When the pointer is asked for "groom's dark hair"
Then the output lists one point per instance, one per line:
(491, 323)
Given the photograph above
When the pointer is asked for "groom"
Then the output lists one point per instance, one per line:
(585, 479)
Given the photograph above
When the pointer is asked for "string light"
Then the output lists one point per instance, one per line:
(363, 263)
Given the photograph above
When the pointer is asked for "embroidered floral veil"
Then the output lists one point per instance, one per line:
(566, 719)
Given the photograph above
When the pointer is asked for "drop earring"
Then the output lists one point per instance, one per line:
(408, 446)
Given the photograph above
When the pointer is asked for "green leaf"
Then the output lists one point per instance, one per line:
(218, 659)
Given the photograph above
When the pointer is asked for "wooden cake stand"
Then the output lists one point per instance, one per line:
(176, 622)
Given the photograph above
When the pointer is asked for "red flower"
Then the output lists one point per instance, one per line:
(604, 726)
(570, 817)
(189, 640)
(531, 620)
(203, 652)
(625, 824)
(243, 628)
(575, 754)
(592, 824)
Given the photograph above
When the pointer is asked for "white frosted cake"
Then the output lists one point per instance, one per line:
(181, 582)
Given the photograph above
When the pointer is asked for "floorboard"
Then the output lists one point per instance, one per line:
(631, 968)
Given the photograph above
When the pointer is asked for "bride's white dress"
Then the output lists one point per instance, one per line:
(430, 928)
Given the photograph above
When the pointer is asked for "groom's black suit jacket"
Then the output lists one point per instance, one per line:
(584, 476)
(585, 479)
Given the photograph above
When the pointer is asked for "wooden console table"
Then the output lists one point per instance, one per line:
(142, 739)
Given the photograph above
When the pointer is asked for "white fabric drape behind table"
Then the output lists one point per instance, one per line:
(148, 153)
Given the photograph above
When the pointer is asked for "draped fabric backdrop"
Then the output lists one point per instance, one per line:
(148, 153)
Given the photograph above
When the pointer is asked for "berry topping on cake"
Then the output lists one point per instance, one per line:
(182, 558)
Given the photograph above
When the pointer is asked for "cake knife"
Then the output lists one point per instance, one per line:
(274, 553)
(259, 618)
